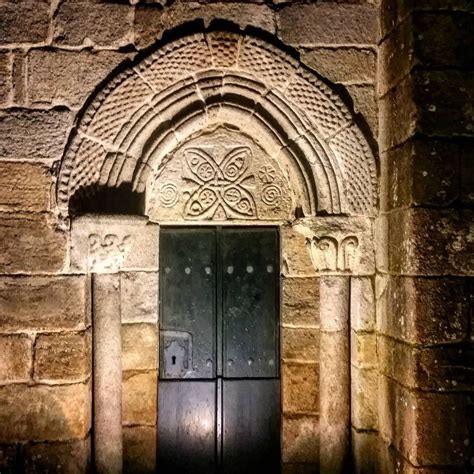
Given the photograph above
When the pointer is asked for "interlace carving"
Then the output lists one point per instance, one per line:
(108, 252)
(220, 184)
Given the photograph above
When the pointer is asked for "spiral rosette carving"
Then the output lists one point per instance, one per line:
(271, 195)
(169, 194)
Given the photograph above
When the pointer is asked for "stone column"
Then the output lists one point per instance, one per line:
(107, 373)
(334, 385)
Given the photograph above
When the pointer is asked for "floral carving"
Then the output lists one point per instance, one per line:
(220, 185)
(330, 254)
(267, 174)
(107, 252)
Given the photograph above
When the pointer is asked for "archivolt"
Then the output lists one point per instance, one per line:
(220, 77)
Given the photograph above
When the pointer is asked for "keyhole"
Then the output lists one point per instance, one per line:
(173, 360)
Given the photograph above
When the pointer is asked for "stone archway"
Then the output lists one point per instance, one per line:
(226, 128)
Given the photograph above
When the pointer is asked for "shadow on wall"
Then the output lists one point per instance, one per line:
(106, 200)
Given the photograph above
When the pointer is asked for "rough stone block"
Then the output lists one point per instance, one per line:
(321, 23)
(398, 115)
(427, 428)
(24, 187)
(18, 74)
(139, 449)
(421, 172)
(296, 258)
(78, 72)
(139, 297)
(423, 310)
(139, 400)
(101, 24)
(300, 344)
(44, 303)
(445, 368)
(364, 103)
(23, 22)
(5, 77)
(103, 244)
(300, 386)
(73, 457)
(152, 22)
(42, 413)
(139, 346)
(300, 302)
(365, 447)
(363, 350)
(364, 386)
(16, 357)
(34, 134)
(444, 99)
(443, 39)
(344, 65)
(362, 304)
(63, 356)
(431, 242)
(467, 174)
(300, 438)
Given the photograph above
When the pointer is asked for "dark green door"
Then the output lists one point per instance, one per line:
(219, 388)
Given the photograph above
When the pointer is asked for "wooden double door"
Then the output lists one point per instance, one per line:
(219, 384)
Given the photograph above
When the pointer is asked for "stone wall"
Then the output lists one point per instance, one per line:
(410, 360)
(423, 289)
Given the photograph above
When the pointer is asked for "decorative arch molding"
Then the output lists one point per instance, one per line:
(130, 130)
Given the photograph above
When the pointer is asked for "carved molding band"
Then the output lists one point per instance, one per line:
(229, 78)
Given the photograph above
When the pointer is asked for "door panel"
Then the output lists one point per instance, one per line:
(251, 426)
(219, 389)
(187, 426)
(188, 303)
(250, 303)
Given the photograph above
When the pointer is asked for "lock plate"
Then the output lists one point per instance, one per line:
(177, 357)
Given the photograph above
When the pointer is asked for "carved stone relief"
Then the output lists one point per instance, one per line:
(220, 175)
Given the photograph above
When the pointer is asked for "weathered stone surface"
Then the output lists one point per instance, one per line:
(300, 383)
(101, 24)
(24, 187)
(421, 172)
(300, 468)
(103, 244)
(364, 102)
(444, 100)
(362, 304)
(443, 39)
(16, 357)
(139, 297)
(364, 387)
(300, 301)
(23, 22)
(345, 65)
(365, 447)
(328, 24)
(139, 346)
(31, 243)
(398, 115)
(334, 304)
(438, 309)
(139, 400)
(467, 174)
(73, 457)
(339, 245)
(300, 344)
(5, 77)
(445, 368)
(427, 428)
(431, 242)
(139, 445)
(34, 134)
(363, 350)
(19, 77)
(42, 413)
(78, 73)
(152, 22)
(44, 303)
(300, 439)
(296, 258)
(63, 356)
